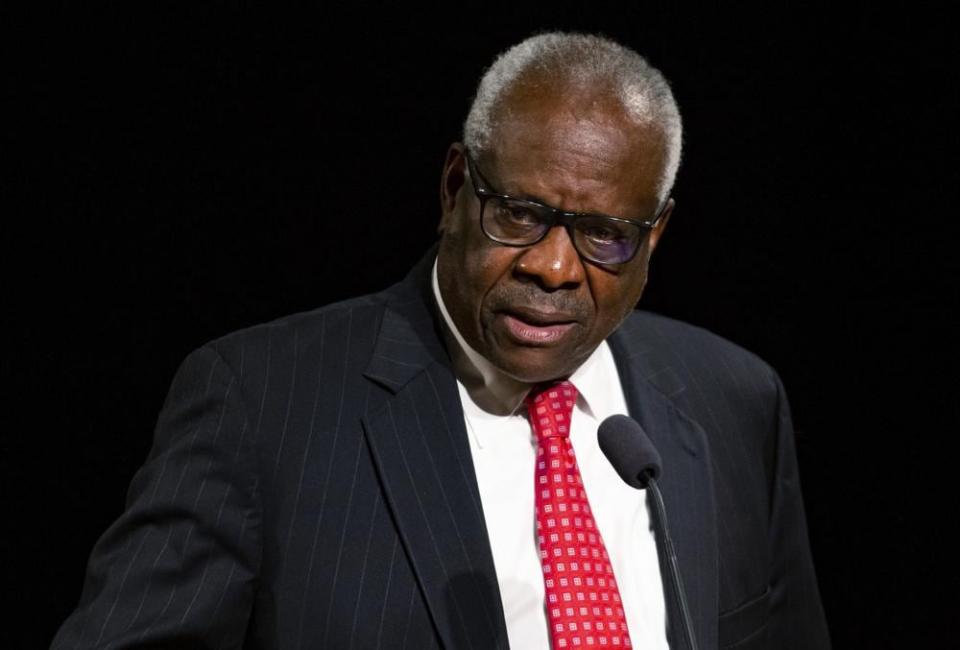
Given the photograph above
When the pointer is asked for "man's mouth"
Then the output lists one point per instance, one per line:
(528, 326)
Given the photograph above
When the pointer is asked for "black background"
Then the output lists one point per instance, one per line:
(176, 173)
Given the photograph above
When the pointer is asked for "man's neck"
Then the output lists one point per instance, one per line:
(490, 388)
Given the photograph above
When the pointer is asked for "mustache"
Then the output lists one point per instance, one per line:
(529, 296)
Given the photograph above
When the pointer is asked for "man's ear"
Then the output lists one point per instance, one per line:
(451, 180)
(657, 231)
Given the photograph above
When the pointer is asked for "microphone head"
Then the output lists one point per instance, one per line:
(627, 447)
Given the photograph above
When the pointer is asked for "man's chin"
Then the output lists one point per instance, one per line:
(536, 365)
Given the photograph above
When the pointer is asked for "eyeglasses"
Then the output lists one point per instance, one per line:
(520, 222)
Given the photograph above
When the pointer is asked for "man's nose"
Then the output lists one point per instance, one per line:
(553, 262)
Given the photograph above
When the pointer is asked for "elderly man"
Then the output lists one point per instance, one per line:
(419, 468)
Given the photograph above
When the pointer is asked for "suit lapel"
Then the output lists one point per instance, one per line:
(421, 452)
(686, 481)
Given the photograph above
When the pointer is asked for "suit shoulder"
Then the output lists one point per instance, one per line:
(698, 355)
(734, 395)
(278, 342)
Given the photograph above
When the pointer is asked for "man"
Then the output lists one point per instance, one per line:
(369, 474)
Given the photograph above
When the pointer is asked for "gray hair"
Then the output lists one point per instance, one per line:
(586, 61)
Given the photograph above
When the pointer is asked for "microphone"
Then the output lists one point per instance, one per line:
(628, 448)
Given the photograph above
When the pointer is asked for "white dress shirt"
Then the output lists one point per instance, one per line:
(504, 450)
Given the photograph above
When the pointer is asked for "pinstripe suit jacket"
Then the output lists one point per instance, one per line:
(310, 485)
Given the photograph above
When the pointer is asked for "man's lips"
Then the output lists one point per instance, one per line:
(534, 327)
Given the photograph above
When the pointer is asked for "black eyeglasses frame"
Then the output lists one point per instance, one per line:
(552, 216)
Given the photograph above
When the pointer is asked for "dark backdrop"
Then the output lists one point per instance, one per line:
(175, 174)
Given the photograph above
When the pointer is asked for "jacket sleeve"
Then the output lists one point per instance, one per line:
(177, 569)
(796, 618)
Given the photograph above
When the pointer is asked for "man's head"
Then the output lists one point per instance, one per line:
(580, 124)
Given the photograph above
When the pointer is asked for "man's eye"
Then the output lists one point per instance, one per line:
(602, 234)
(519, 214)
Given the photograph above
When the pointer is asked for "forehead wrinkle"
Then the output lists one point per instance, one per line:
(570, 127)
(575, 167)
(557, 142)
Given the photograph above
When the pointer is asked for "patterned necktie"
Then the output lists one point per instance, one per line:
(582, 600)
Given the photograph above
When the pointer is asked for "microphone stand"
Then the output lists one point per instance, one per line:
(674, 572)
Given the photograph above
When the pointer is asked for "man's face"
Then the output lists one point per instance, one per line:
(537, 312)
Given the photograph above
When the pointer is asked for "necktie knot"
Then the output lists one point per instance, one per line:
(550, 407)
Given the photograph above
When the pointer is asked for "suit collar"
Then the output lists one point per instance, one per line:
(409, 339)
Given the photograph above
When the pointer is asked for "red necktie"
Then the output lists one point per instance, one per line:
(582, 599)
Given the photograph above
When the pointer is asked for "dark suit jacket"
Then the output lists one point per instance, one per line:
(311, 485)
